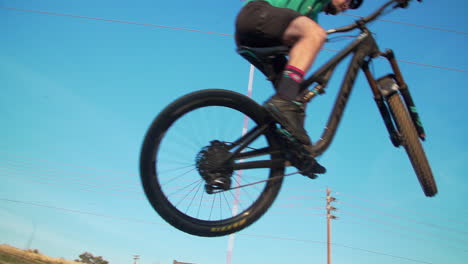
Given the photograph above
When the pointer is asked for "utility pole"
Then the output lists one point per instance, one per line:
(330, 217)
(136, 258)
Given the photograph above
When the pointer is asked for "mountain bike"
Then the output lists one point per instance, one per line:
(211, 179)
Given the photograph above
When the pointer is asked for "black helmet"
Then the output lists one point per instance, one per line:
(355, 4)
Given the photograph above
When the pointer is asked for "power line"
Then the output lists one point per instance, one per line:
(404, 218)
(382, 254)
(80, 177)
(78, 188)
(307, 189)
(398, 207)
(34, 174)
(415, 63)
(120, 193)
(393, 232)
(451, 239)
(100, 186)
(193, 30)
(300, 197)
(398, 217)
(300, 206)
(315, 208)
(74, 181)
(284, 238)
(31, 162)
(413, 25)
(62, 176)
(217, 33)
(432, 66)
(113, 20)
(296, 213)
(37, 173)
(276, 209)
(241, 234)
(335, 244)
(82, 212)
(9, 154)
(279, 206)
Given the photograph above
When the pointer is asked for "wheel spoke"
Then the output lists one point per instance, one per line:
(183, 188)
(177, 177)
(227, 202)
(197, 155)
(193, 198)
(212, 205)
(199, 206)
(220, 209)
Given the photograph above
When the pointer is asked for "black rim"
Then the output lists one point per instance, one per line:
(176, 189)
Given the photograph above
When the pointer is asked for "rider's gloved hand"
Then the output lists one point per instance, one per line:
(403, 3)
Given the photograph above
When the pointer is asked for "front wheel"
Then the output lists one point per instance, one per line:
(181, 150)
(410, 140)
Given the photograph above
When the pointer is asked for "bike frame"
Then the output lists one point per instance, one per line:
(363, 50)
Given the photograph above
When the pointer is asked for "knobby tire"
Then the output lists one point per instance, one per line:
(410, 140)
(149, 164)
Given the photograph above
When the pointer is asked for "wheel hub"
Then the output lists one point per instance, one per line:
(212, 166)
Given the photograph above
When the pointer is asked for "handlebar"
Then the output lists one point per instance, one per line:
(373, 16)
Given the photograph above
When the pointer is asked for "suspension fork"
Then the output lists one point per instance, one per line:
(403, 88)
(381, 105)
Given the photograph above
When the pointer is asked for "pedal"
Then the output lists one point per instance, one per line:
(299, 156)
(310, 175)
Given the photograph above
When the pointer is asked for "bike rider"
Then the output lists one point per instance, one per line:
(293, 23)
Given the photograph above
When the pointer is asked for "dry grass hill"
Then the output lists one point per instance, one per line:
(11, 255)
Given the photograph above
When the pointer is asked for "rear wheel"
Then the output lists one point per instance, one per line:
(410, 140)
(177, 157)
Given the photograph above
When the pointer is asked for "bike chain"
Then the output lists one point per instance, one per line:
(257, 182)
(295, 153)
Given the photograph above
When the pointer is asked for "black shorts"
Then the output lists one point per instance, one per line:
(260, 24)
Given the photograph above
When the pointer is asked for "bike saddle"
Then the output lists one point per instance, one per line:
(269, 60)
(264, 52)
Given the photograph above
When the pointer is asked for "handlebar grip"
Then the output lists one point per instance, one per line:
(403, 3)
(373, 16)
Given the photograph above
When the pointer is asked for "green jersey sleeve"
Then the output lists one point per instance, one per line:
(310, 8)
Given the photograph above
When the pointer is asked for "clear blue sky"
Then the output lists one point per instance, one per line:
(77, 96)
